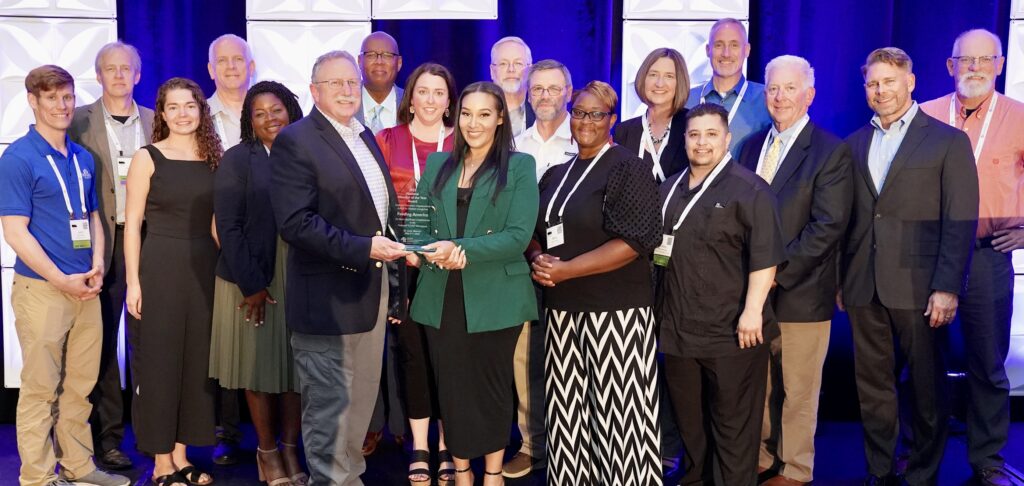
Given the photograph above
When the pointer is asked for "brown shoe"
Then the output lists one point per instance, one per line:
(781, 480)
(370, 442)
(520, 465)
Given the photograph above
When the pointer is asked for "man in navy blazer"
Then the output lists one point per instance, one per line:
(810, 173)
(332, 201)
(911, 234)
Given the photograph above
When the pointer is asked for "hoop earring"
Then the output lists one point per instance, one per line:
(446, 112)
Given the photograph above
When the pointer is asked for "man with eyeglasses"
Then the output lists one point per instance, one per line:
(993, 123)
(550, 143)
(510, 58)
(380, 62)
(333, 202)
(904, 264)
(728, 49)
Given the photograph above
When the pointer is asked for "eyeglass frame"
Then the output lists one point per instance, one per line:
(547, 90)
(352, 83)
(504, 65)
(974, 60)
(590, 115)
(380, 55)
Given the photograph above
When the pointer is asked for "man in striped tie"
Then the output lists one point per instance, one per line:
(809, 170)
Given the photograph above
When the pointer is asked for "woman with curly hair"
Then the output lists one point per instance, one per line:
(170, 185)
(249, 347)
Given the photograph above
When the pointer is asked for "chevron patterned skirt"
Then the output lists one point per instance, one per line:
(602, 398)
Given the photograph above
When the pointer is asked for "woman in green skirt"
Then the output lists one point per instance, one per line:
(249, 346)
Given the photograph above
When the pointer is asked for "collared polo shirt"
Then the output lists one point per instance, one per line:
(126, 136)
(751, 117)
(558, 149)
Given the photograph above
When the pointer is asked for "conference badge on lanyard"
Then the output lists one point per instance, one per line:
(555, 236)
(663, 252)
(81, 237)
(123, 162)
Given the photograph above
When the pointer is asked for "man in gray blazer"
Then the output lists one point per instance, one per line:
(380, 62)
(112, 129)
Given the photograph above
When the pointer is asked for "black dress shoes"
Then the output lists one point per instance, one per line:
(114, 459)
(225, 453)
(993, 476)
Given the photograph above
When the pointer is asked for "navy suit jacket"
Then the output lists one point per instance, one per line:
(917, 235)
(326, 214)
(814, 190)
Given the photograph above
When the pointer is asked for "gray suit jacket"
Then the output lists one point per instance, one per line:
(87, 130)
(398, 101)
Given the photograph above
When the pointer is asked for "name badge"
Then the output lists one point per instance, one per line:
(555, 235)
(81, 238)
(664, 251)
(123, 164)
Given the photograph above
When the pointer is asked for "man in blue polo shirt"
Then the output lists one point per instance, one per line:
(49, 213)
(728, 49)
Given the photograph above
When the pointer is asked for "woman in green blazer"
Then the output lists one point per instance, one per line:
(474, 291)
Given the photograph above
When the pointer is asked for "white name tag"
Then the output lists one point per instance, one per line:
(123, 164)
(80, 236)
(664, 251)
(555, 235)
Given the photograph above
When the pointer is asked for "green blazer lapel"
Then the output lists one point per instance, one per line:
(482, 193)
(448, 195)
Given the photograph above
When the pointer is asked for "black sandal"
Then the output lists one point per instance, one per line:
(169, 479)
(193, 475)
(420, 455)
(446, 474)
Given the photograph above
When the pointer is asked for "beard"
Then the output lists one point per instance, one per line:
(511, 86)
(969, 88)
(546, 113)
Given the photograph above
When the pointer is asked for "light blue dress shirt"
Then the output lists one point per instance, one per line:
(751, 117)
(885, 143)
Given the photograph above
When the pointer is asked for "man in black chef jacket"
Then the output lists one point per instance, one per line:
(720, 248)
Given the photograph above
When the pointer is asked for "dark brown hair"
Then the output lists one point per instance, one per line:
(208, 143)
(46, 78)
(682, 77)
(405, 116)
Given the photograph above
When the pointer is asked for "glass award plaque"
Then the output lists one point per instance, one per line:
(414, 216)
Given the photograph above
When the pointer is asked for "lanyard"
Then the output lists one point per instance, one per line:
(785, 148)
(984, 126)
(64, 187)
(223, 134)
(735, 105)
(551, 203)
(416, 156)
(112, 135)
(645, 139)
(704, 187)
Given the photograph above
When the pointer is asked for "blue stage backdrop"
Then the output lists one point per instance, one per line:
(834, 35)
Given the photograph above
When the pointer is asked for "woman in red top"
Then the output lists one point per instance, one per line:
(425, 117)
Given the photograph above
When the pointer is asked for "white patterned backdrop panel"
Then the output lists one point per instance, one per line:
(319, 10)
(640, 37)
(59, 8)
(285, 51)
(685, 9)
(435, 9)
(1015, 61)
(12, 349)
(31, 42)
(1017, 9)
(6, 253)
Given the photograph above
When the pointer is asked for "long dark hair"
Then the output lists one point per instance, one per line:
(208, 145)
(288, 99)
(496, 162)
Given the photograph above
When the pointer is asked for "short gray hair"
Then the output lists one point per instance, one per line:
(546, 65)
(791, 61)
(130, 49)
(995, 39)
(727, 21)
(515, 40)
(330, 56)
(248, 50)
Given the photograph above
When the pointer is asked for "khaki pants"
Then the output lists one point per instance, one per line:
(60, 349)
(791, 404)
(528, 366)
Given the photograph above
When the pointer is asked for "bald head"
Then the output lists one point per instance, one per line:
(379, 61)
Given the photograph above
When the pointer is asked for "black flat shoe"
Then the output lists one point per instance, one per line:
(173, 479)
(115, 460)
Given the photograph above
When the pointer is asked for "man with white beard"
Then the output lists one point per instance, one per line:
(510, 59)
(992, 122)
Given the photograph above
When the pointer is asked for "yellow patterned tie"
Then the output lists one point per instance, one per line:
(771, 160)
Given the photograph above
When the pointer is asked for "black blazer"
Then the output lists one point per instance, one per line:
(814, 189)
(245, 222)
(917, 236)
(673, 160)
(325, 212)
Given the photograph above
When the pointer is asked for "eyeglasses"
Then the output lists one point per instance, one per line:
(516, 65)
(551, 90)
(378, 55)
(338, 83)
(966, 61)
(593, 115)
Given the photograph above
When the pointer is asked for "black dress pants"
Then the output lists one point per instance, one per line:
(719, 405)
(107, 418)
(877, 332)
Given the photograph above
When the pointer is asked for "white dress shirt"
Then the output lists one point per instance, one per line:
(558, 149)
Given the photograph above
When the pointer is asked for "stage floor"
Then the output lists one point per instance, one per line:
(840, 460)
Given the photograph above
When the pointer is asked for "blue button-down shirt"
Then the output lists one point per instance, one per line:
(28, 187)
(885, 143)
(751, 116)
